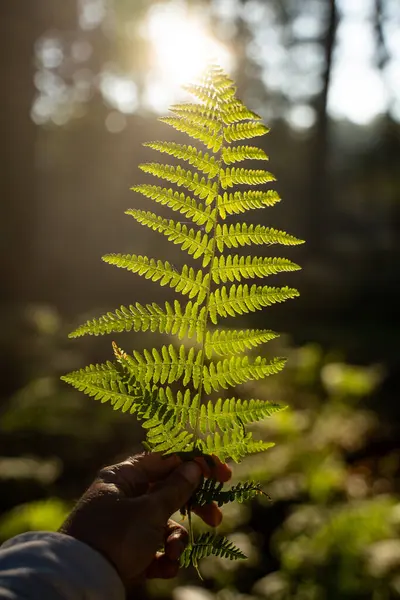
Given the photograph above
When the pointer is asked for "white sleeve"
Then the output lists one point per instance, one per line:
(53, 566)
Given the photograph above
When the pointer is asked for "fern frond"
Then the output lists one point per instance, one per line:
(187, 282)
(239, 202)
(191, 181)
(168, 388)
(230, 342)
(213, 141)
(243, 234)
(207, 96)
(166, 365)
(103, 382)
(234, 112)
(180, 409)
(229, 110)
(238, 369)
(231, 268)
(244, 131)
(219, 81)
(212, 491)
(203, 117)
(227, 96)
(228, 113)
(234, 413)
(194, 242)
(169, 441)
(203, 162)
(173, 319)
(199, 214)
(233, 444)
(230, 177)
(231, 155)
(243, 299)
(164, 416)
(193, 108)
(93, 373)
(208, 544)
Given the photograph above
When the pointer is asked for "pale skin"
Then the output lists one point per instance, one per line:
(125, 513)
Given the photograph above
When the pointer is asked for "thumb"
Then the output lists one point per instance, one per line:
(172, 493)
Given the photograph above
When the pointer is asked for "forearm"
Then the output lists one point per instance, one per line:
(39, 565)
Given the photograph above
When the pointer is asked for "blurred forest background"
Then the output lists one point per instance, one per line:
(82, 83)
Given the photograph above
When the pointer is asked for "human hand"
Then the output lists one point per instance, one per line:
(125, 513)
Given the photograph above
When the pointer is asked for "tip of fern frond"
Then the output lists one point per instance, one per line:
(117, 351)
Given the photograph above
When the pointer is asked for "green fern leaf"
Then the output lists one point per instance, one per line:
(165, 365)
(203, 162)
(194, 109)
(219, 80)
(240, 202)
(213, 141)
(231, 155)
(230, 342)
(231, 268)
(230, 177)
(208, 544)
(212, 491)
(179, 202)
(207, 96)
(188, 281)
(238, 369)
(203, 117)
(234, 413)
(194, 242)
(103, 382)
(169, 442)
(244, 131)
(243, 299)
(234, 112)
(242, 234)
(228, 112)
(233, 444)
(169, 409)
(151, 317)
(191, 181)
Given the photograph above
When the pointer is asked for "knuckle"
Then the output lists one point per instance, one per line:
(107, 474)
(179, 533)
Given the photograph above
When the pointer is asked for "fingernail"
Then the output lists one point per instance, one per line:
(191, 471)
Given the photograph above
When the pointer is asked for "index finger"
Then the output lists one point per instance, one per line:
(156, 466)
(133, 476)
(214, 468)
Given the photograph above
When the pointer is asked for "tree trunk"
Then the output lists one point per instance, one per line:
(19, 29)
(319, 210)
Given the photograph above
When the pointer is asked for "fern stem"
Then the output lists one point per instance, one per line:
(205, 322)
(190, 527)
(207, 301)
